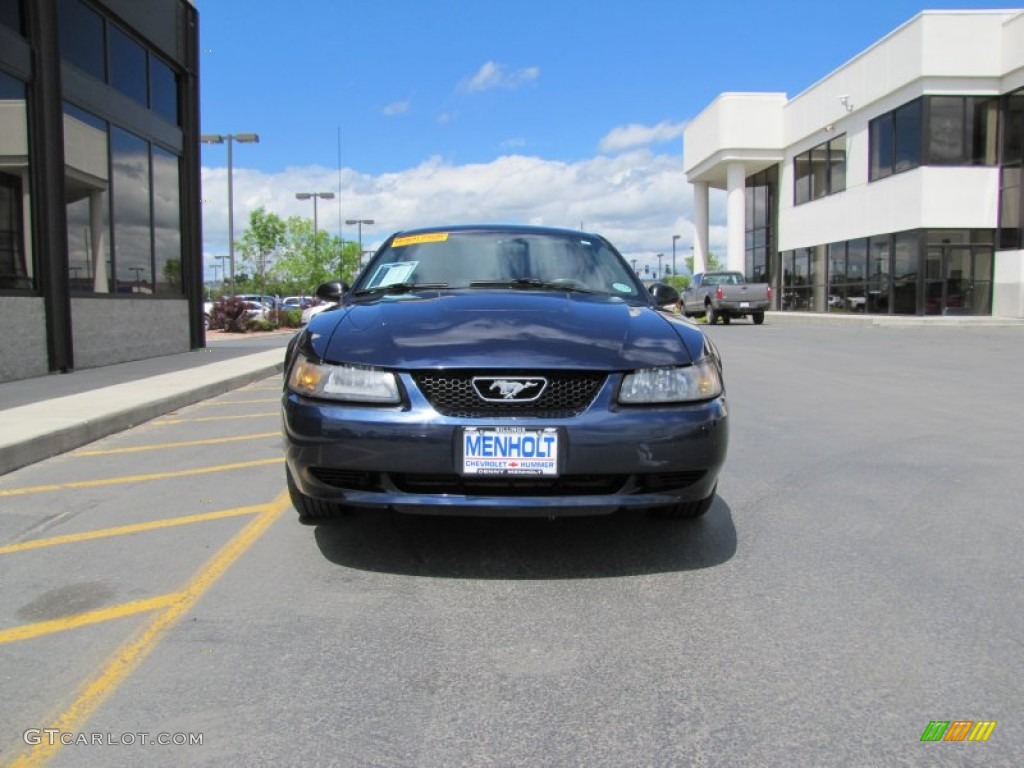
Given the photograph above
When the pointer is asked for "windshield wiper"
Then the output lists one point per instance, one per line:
(395, 288)
(534, 283)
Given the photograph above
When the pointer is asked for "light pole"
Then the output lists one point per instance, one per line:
(674, 238)
(138, 274)
(315, 196)
(660, 257)
(220, 138)
(360, 222)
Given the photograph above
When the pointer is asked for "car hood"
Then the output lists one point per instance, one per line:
(489, 329)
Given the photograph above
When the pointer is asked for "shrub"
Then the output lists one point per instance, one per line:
(229, 315)
(286, 318)
(261, 325)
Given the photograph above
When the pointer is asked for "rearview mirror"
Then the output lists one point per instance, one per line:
(332, 291)
(663, 294)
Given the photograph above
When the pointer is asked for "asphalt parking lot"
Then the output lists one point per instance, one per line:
(857, 578)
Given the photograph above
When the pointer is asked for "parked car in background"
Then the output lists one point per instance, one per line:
(724, 296)
(502, 370)
(297, 302)
(270, 302)
(312, 311)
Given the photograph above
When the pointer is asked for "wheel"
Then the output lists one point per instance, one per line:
(758, 318)
(710, 314)
(726, 319)
(311, 511)
(687, 510)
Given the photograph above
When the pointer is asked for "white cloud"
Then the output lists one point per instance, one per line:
(636, 135)
(493, 75)
(636, 199)
(396, 108)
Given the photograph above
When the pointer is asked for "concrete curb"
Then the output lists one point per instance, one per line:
(892, 321)
(35, 432)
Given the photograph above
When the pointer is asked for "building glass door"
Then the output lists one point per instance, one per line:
(958, 280)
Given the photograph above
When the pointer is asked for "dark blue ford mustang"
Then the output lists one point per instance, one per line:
(500, 370)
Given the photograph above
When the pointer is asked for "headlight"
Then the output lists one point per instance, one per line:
(343, 382)
(699, 381)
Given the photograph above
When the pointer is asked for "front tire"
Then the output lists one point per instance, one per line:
(311, 511)
(687, 510)
(710, 314)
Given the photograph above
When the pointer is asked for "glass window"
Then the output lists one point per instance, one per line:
(837, 263)
(881, 147)
(1013, 133)
(87, 186)
(946, 130)
(819, 171)
(81, 37)
(982, 130)
(837, 164)
(15, 264)
(802, 175)
(128, 66)
(907, 130)
(166, 223)
(163, 89)
(878, 275)
(10, 15)
(905, 265)
(133, 261)
(857, 259)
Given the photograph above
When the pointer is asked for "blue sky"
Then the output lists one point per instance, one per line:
(450, 111)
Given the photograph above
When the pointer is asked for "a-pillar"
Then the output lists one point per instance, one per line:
(700, 225)
(736, 216)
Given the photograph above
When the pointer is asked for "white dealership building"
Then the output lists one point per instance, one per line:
(891, 186)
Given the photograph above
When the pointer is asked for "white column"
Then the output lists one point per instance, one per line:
(700, 226)
(736, 216)
(99, 261)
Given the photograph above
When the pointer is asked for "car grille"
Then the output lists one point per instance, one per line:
(567, 394)
(490, 485)
(470, 485)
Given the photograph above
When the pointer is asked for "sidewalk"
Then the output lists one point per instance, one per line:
(48, 415)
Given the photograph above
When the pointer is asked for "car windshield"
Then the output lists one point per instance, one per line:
(500, 259)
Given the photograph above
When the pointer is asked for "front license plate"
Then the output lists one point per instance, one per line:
(744, 304)
(509, 451)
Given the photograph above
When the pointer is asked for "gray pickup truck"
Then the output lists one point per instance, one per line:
(725, 295)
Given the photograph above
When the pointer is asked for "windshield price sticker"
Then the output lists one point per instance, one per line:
(433, 237)
(389, 274)
(509, 451)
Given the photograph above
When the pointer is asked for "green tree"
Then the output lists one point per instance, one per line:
(711, 263)
(263, 237)
(309, 259)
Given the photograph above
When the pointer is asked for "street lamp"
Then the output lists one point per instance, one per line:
(674, 238)
(138, 274)
(660, 257)
(220, 138)
(360, 222)
(314, 196)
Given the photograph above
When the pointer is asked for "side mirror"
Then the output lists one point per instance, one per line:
(332, 291)
(663, 294)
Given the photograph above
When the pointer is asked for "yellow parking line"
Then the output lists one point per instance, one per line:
(136, 478)
(186, 444)
(207, 403)
(131, 654)
(166, 422)
(40, 628)
(122, 530)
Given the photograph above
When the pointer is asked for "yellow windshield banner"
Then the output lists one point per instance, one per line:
(433, 237)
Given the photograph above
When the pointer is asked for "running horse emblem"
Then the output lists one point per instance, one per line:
(511, 389)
